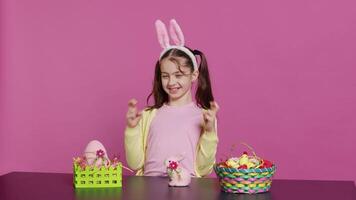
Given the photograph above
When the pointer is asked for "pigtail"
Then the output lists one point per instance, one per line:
(204, 94)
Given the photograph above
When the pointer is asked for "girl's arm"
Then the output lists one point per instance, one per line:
(206, 151)
(134, 146)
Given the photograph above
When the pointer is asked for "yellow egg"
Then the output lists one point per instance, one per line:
(232, 162)
(251, 165)
(253, 162)
(243, 159)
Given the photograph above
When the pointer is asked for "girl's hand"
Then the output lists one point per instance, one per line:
(133, 116)
(209, 117)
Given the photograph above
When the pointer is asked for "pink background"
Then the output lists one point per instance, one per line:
(283, 73)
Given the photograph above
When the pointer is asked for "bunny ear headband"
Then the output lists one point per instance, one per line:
(177, 37)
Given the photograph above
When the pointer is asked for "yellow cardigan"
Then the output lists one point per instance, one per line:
(135, 146)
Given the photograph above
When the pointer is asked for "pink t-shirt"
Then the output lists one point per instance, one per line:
(174, 130)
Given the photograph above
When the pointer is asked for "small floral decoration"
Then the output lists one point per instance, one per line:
(173, 166)
(115, 161)
(100, 153)
(82, 161)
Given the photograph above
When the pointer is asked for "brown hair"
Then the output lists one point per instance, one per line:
(203, 95)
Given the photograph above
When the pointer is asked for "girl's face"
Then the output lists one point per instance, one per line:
(177, 83)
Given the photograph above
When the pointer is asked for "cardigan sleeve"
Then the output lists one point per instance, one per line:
(206, 151)
(135, 141)
(134, 146)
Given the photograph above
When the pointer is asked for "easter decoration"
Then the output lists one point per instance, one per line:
(178, 175)
(245, 174)
(95, 170)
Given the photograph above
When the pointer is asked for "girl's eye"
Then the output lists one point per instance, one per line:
(164, 76)
(179, 75)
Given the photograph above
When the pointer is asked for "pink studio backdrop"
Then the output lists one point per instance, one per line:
(283, 73)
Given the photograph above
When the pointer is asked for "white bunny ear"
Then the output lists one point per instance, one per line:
(162, 34)
(176, 33)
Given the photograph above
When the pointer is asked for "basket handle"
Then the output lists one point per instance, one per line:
(251, 150)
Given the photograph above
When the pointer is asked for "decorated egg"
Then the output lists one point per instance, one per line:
(233, 162)
(244, 159)
(253, 163)
(95, 154)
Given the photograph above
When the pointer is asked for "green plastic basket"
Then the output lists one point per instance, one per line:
(97, 177)
(249, 181)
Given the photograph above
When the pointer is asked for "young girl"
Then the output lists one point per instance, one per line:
(175, 124)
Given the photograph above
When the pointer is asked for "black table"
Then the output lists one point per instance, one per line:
(52, 186)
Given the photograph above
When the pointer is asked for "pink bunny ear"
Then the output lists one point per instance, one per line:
(162, 34)
(176, 33)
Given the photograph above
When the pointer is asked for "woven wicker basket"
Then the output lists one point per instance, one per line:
(249, 181)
